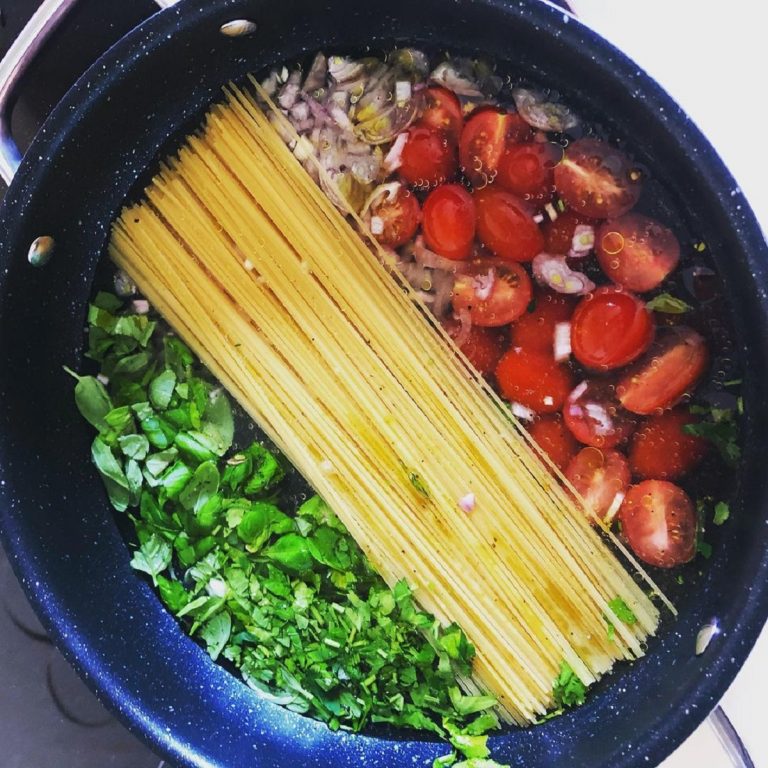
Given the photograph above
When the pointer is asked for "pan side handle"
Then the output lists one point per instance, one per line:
(25, 49)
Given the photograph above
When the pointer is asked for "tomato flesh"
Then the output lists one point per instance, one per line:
(505, 225)
(399, 218)
(599, 477)
(636, 252)
(493, 292)
(485, 136)
(527, 170)
(554, 439)
(597, 180)
(428, 157)
(558, 234)
(442, 111)
(533, 380)
(535, 330)
(670, 370)
(449, 221)
(483, 347)
(658, 521)
(661, 450)
(610, 328)
(594, 416)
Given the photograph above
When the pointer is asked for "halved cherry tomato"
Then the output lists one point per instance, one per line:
(442, 111)
(483, 346)
(599, 477)
(610, 328)
(670, 369)
(428, 157)
(535, 330)
(493, 291)
(662, 451)
(399, 218)
(554, 439)
(485, 136)
(594, 416)
(636, 252)
(597, 180)
(558, 234)
(533, 380)
(505, 225)
(449, 221)
(659, 522)
(527, 170)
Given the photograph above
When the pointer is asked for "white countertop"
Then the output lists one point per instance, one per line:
(712, 57)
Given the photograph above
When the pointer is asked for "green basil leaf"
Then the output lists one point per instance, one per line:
(203, 484)
(161, 389)
(134, 446)
(215, 632)
(668, 304)
(92, 400)
(153, 557)
(291, 552)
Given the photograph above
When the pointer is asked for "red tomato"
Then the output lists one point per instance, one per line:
(505, 225)
(533, 380)
(399, 217)
(636, 252)
(662, 451)
(599, 476)
(594, 416)
(449, 221)
(528, 170)
(597, 180)
(428, 157)
(659, 522)
(669, 370)
(610, 328)
(558, 234)
(494, 292)
(483, 347)
(534, 331)
(484, 138)
(554, 439)
(442, 111)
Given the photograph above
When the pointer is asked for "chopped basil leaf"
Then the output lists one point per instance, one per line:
(722, 513)
(668, 304)
(568, 690)
(721, 429)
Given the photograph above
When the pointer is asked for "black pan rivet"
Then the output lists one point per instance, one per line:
(238, 28)
(41, 250)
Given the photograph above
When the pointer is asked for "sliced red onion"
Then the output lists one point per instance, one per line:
(299, 112)
(315, 79)
(342, 69)
(442, 290)
(614, 508)
(140, 306)
(340, 117)
(482, 285)
(394, 160)
(377, 225)
(551, 212)
(522, 412)
(428, 258)
(542, 114)
(583, 241)
(553, 271)
(467, 503)
(562, 341)
(603, 423)
(403, 91)
(465, 318)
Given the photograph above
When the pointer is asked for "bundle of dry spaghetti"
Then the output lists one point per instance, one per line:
(333, 356)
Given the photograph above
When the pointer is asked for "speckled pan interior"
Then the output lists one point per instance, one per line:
(54, 518)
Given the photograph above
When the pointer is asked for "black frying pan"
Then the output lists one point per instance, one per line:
(55, 521)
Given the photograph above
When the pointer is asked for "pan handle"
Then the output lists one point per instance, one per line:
(20, 56)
